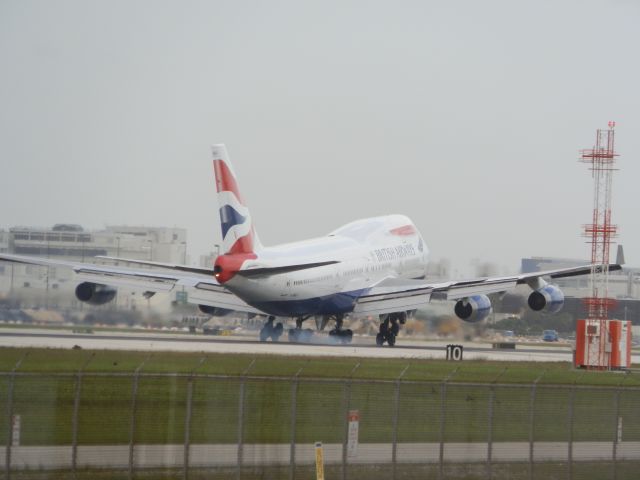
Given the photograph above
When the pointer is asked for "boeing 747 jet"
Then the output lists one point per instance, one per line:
(370, 267)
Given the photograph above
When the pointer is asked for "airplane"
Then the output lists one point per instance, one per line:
(369, 267)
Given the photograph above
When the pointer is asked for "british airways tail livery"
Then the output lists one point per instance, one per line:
(370, 267)
(238, 234)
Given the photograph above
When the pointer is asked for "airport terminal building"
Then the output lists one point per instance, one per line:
(40, 286)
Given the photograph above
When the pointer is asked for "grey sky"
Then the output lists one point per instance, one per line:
(467, 116)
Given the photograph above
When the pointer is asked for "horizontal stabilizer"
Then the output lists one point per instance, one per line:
(267, 271)
(169, 266)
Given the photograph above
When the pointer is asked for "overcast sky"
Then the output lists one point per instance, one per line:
(467, 116)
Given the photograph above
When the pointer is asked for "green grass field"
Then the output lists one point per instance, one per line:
(477, 371)
(44, 397)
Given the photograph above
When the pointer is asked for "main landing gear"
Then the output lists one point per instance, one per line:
(270, 330)
(389, 328)
(299, 334)
(338, 335)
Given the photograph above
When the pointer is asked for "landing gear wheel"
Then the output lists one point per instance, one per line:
(391, 339)
(341, 336)
(390, 327)
(305, 335)
(334, 336)
(293, 334)
(269, 331)
(300, 335)
(347, 336)
(395, 328)
(277, 331)
(265, 333)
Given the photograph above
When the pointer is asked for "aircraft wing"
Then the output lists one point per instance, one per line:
(455, 290)
(202, 285)
(395, 294)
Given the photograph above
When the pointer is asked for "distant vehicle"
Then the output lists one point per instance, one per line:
(214, 330)
(508, 333)
(550, 336)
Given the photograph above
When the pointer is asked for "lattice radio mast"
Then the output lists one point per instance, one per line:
(601, 160)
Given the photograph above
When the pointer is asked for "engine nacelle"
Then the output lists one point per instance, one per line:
(214, 311)
(95, 293)
(473, 309)
(548, 299)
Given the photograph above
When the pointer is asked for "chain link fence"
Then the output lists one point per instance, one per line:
(212, 426)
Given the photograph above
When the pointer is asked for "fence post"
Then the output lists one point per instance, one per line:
(532, 419)
(76, 410)
(572, 397)
(394, 434)
(240, 428)
(492, 394)
(132, 423)
(394, 421)
(12, 378)
(443, 402)
(187, 428)
(346, 401)
(7, 460)
(294, 413)
(615, 434)
(74, 426)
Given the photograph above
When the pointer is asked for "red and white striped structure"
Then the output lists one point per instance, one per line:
(601, 160)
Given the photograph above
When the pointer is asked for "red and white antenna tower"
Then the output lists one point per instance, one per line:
(601, 159)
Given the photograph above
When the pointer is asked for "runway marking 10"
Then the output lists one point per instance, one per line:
(454, 352)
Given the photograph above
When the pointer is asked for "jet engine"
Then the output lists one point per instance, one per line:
(95, 293)
(548, 299)
(473, 309)
(214, 311)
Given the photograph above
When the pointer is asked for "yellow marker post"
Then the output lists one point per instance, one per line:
(319, 461)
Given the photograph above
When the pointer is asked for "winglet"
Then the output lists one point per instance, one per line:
(620, 256)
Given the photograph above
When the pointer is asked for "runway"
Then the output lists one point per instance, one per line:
(361, 347)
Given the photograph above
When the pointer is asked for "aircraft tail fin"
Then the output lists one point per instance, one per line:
(620, 255)
(238, 233)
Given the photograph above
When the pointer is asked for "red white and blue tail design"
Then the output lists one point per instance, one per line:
(238, 234)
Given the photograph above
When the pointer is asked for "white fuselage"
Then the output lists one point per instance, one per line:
(366, 251)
